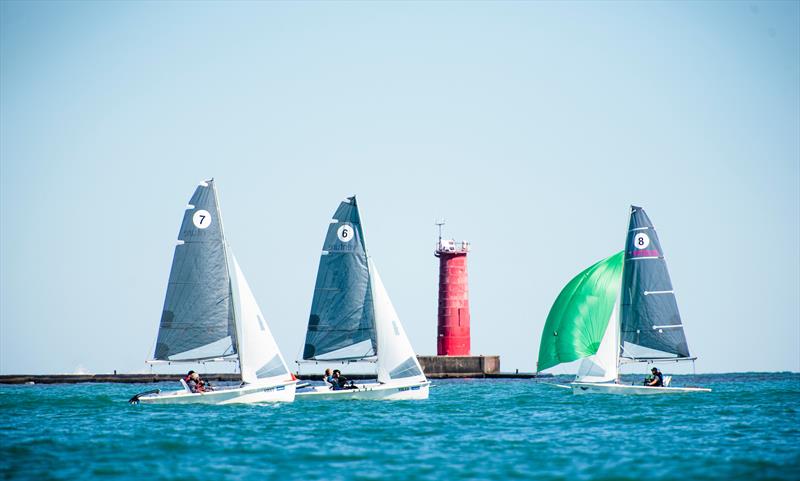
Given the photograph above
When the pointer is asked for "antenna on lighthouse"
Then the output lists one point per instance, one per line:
(439, 223)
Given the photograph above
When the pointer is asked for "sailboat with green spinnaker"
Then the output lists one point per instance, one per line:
(621, 309)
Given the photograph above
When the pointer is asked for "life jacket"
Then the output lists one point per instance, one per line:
(199, 386)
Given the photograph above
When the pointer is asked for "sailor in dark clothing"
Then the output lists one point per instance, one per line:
(657, 380)
(341, 382)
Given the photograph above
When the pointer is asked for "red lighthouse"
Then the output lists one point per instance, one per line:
(453, 333)
(453, 336)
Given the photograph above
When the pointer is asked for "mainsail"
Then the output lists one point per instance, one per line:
(650, 317)
(197, 321)
(579, 318)
(341, 325)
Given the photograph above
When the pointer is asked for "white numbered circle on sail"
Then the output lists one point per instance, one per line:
(641, 240)
(201, 219)
(345, 233)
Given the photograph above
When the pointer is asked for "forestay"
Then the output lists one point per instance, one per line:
(197, 321)
(341, 325)
(650, 317)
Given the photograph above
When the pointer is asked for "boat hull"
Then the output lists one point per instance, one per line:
(628, 389)
(282, 392)
(371, 391)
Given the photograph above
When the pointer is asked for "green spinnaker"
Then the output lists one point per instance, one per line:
(579, 317)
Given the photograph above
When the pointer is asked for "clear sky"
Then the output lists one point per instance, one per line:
(530, 126)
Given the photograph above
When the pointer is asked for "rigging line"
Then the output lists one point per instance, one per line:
(297, 355)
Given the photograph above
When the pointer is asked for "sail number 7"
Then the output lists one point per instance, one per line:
(201, 219)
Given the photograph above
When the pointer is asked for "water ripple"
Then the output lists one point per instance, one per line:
(748, 428)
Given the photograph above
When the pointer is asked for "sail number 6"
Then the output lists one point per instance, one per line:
(345, 233)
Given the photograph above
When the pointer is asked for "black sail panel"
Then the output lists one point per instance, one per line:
(198, 309)
(650, 316)
(342, 314)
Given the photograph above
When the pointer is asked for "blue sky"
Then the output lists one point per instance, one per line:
(530, 126)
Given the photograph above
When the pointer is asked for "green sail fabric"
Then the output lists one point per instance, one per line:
(579, 317)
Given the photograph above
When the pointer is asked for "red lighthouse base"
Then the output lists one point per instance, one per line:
(440, 367)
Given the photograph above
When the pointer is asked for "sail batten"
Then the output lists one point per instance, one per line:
(342, 312)
(650, 317)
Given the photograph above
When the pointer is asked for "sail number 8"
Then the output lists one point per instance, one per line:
(345, 233)
(641, 241)
(201, 219)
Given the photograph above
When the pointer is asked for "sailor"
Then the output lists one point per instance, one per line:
(196, 384)
(657, 380)
(340, 382)
(328, 378)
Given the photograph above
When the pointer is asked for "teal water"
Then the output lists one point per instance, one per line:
(748, 428)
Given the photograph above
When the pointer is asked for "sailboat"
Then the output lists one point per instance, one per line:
(353, 320)
(211, 315)
(621, 309)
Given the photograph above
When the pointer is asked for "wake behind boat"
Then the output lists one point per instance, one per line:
(353, 320)
(621, 309)
(211, 315)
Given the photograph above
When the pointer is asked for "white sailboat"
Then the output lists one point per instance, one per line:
(211, 315)
(353, 320)
(621, 309)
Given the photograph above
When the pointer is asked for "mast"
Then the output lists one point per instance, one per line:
(619, 311)
(369, 279)
(225, 249)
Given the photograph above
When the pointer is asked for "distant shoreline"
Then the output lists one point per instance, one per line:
(233, 377)
(225, 377)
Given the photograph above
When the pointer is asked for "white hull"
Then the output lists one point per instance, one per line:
(395, 391)
(612, 388)
(282, 392)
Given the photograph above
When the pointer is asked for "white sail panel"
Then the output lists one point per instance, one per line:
(603, 365)
(396, 357)
(209, 351)
(359, 351)
(259, 357)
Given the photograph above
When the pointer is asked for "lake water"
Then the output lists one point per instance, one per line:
(748, 428)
